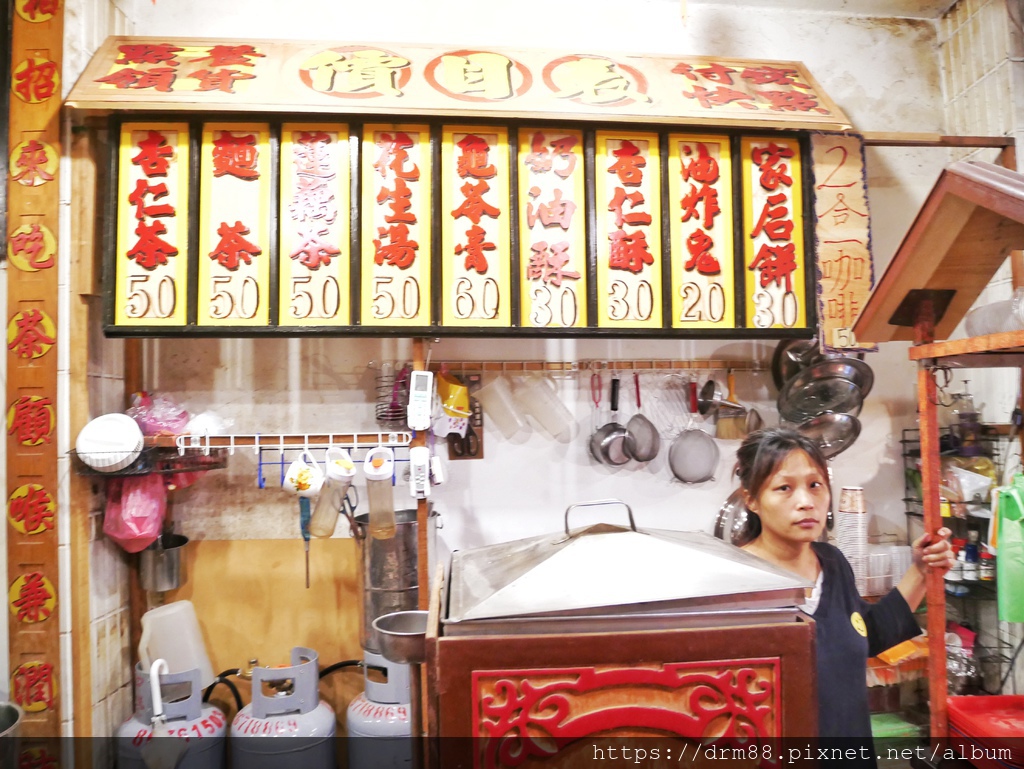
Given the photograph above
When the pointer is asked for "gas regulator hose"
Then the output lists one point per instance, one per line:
(339, 665)
(223, 679)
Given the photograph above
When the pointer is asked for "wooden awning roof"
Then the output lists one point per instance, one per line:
(338, 77)
(972, 219)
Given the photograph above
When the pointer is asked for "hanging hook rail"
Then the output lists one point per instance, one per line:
(645, 364)
(204, 442)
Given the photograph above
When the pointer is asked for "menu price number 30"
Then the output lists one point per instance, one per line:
(769, 311)
(234, 298)
(396, 298)
(477, 300)
(151, 299)
(626, 303)
(544, 305)
(701, 303)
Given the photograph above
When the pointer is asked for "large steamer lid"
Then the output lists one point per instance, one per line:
(605, 569)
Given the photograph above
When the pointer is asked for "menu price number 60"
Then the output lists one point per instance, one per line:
(146, 295)
(232, 298)
(625, 303)
(477, 301)
(768, 313)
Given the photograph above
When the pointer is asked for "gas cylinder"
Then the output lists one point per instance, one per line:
(378, 718)
(293, 711)
(202, 726)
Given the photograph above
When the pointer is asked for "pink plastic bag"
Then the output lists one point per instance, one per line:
(135, 511)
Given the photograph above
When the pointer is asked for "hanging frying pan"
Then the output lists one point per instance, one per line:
(790, 357)
(834, 433)
(732, 519)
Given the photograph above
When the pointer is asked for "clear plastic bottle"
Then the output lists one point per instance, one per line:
(338, 477)
(378, 467)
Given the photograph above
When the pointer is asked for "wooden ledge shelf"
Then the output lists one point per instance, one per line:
(1001, 350)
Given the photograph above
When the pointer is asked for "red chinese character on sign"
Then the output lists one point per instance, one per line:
(474, 157)
(765, 75)
(476, 245)
(34, 510)
(706, 195)
(699, 244)
(150, 250)
(769, 161)
(147, 54)
(686, 70)
(719, 97)
(773, 221)
(219, 80)
(36, 82)
(33, 684)
(634, 218)
(539, 159)
(789, 101)
(33, 8)
(32, 161)
(473, 205)
(313, 156)
(38, 758)
(399, 251)
(629, 251)
(158, 78)
(313, 199)
(843, 308)
(32, 599)
(154, 155)
(31, 244)
(232, 56)
(33, 421)
(137, 198)
(777, 264)
(401, 203)
(556, 212)
(312, 250)
(547, 263)
(30, 336)
(843, 268)
(703, 168)
(841, 210)
(628, 167)
(236, 156)
(394, 152)
(563, 149)
(233, 248)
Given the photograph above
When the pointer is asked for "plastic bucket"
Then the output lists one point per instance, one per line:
(160, 565)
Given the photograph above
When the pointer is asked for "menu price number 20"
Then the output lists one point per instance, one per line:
(769, 311)
(148, 298)
(702, 303)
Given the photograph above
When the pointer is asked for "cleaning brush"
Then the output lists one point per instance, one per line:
(732, 418)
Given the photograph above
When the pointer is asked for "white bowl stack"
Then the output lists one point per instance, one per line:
(109, 443)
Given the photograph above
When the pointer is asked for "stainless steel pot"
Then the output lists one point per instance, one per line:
(160, 565)
(389, 576)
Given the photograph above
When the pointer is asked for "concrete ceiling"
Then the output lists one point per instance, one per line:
(911, 9)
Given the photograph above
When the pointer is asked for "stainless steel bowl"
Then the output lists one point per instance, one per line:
(402, 636)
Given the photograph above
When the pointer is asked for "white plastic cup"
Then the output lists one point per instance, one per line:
(537, 397)
(1006, 315)
(171, 632)
(499, 404)
(304, 476)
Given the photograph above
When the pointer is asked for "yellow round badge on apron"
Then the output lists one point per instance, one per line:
(858, 624)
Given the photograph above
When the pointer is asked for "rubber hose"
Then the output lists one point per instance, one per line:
(339, 665)
(222, 679)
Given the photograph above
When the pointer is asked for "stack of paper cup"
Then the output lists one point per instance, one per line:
(852, 533)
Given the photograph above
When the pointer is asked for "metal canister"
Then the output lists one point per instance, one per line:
(203, 726)
(295, 711)
(388, 576)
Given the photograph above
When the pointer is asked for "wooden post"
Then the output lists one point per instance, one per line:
(924, 333)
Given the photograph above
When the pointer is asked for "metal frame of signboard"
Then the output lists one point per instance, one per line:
(355, 328)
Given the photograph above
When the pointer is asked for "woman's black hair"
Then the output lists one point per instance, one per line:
(760, 455)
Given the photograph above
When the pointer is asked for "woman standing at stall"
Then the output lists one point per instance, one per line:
(784, 479)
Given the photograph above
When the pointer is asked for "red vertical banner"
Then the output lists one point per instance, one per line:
(552, 224)
(476, 268)
(773, 229)
(629, 275)
(31, 406)
(397, 213)
(842, 234)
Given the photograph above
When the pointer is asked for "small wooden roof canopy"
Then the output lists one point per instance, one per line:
(972, 219)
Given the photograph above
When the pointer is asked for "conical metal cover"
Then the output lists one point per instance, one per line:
(607, 569)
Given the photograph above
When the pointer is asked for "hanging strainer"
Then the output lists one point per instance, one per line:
(642, 440)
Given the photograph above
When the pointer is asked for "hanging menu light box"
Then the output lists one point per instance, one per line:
(291, 227)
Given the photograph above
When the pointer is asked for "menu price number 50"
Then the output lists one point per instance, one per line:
(768, 315)
(303, 303)
(843, 338)
(700, 305)
(144, 296)
(225, 301)
(624, 303)
(396, 299)
(472, 301)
